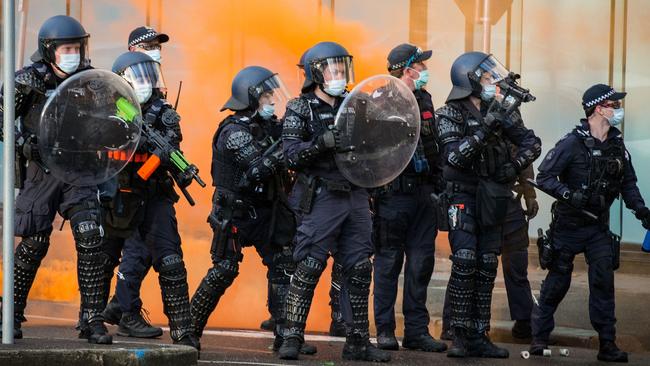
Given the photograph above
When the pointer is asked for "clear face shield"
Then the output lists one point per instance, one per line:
(336, 68)
(271, 95)
(144, 77)
(491, 71)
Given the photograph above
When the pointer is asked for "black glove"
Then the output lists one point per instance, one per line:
(506, 173)
(331, 140)
(493, 120)
(30, 149)
(532, 207)
(577, 199)
(644, 215)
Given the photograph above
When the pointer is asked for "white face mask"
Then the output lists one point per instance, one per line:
(489, 92)
(335, 87)
(69, 62)
(154, 54)
(143, 92)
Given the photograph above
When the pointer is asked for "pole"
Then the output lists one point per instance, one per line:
(9, 32)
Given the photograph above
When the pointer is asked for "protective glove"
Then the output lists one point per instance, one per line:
(532, 207)
(644, 216)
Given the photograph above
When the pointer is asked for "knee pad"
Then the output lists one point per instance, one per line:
(464, 262)
(87, 233)
(282, 267)
(360, 276)
(172, 268)
(32, 249)
(309, 270)
(563, 263)
(488, 264)
(222, 275)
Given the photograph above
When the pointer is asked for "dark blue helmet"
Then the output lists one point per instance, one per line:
(462, 75)
(249, 84)
(58, 30)
(322, 55)
(139, 69)
(467, 71)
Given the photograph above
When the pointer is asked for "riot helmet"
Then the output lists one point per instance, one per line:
(256, 87)
(468, 70)
(141, 71)
(329, 65)
(61, 30)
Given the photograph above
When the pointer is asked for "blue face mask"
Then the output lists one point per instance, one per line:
(489, 92)
(335, 87)
(422, 80)
(266, 111)
(617, 117)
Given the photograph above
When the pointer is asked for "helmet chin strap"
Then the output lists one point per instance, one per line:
(54, 65)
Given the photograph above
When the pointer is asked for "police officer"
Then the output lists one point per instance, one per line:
(587, 169)
(62, 51)
(514, 253)
(478, 167)
(136, 257)
(249, 203)
(334, 214)
(143, 208)
(405, 222)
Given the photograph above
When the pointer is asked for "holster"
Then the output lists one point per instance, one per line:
(308, 192)
(545, 248)
(441, 208)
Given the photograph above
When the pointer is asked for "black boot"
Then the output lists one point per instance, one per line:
(305, 348)
(337, 329)
(135, 325)
(18, 319)
(387, 341)
(189, 339)
(297, 305)
(28, 256)
(172, 277)
(359, 348)
(113, 313)
(91, 262)
(521, 329)
(459, 345)
(480, 345)
(424, 342)
(447, 334)
(268, 324)
(609, 352)
(212, 287)
(537, 347)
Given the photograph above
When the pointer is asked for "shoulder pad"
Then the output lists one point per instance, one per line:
(237, 139)
(29, 78)
(450, 112)
(300, 106)
(170, 117)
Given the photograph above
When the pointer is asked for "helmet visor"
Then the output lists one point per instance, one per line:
(145, 73)
(492, 69)
(271, 91)
(335, 68)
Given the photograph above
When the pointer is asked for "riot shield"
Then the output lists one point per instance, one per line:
(380, 118)
(89, 128)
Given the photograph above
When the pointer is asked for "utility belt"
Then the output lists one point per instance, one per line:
(571, 218)
(311, 183)
(406, 183)
(458, 187)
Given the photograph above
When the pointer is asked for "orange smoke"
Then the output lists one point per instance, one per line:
(210, 42)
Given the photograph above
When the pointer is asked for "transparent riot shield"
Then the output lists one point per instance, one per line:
(89, 128)
(380, 119)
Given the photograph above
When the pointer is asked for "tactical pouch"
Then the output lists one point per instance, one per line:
(441, 210)
(492, 202)
(308, 193)
(124, 215)
(616, 250)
